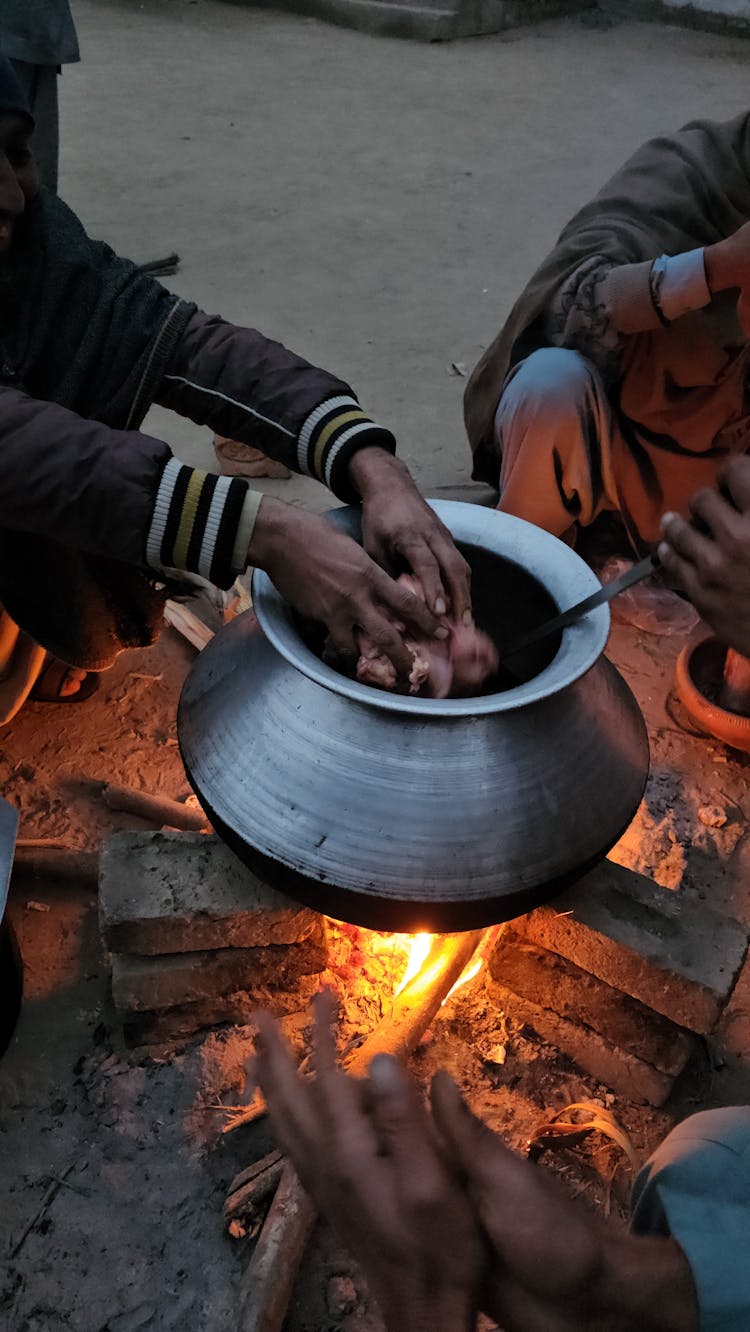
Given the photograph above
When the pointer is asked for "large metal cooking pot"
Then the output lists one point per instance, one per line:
(404, 813)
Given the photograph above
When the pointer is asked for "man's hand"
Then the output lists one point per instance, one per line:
(709, 560)
(367, 1154)
(398, 525)
(327, 577)
(553, 1266)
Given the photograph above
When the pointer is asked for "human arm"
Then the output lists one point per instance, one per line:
(372, 1160)
(601, 304)
(696, 1188)
(553, 1266)
(122, 495)
(366, 1154)
(249, 388)
(709, 560)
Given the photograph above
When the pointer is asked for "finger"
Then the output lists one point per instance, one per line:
(404, 605)
(734, 480)
(388, 641)
(342, 640)
(425, 567)
(684, 576)
(719, 516)
(287, 1098)
(325, 1016)
(405, 1132)
(345, 1119)
(456, 574)
(683, 538)
(462, 1132)
(501, 1184)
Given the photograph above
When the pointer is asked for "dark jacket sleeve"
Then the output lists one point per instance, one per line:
(249, 388)
(117, 493)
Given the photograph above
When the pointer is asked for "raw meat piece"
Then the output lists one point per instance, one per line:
(441, 668)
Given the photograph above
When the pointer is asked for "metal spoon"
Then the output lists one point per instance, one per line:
(564, 618)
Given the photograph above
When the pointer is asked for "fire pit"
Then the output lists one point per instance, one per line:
(407, 813)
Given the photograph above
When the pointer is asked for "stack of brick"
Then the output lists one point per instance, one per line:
(196, 939)
(622, 975)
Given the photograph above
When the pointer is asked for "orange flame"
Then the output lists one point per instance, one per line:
(419, 947)
(418, 950)
(468, 974)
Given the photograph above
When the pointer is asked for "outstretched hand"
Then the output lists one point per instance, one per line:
(399, 527)
(445, 1219)
(368, 1155)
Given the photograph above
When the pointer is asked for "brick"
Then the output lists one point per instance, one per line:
(627, 1075)
(733, 1032)
(553, 983)
(146, 983)
(674, 953)
(184, 1020)
(185, 892)
(731, 1042)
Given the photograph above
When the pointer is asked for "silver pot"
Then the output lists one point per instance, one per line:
(410, 813)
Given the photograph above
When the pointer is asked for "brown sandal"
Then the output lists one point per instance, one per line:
(49, 686)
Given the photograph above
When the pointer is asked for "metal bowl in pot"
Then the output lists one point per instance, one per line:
(402, 813)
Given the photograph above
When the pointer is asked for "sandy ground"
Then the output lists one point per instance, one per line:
(376, 205)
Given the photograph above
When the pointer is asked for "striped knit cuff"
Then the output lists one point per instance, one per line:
(329, 438)
(199, 521)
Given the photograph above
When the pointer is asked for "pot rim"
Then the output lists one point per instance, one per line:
(563, 574)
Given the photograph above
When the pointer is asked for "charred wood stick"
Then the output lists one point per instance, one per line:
(253, 1186)
(251, 1172)
(157, 809)
(269, 1278)
(52, 863)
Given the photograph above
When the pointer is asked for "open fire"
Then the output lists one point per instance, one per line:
(418, 948)
(435, 966)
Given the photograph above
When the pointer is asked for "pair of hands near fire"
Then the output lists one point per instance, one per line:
(444, 1219)
(328, 577)
(708, 558)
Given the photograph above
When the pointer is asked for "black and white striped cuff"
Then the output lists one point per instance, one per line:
(202, 523)
(329, 438)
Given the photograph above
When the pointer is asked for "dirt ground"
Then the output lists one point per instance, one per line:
(404, 192)
(123, 1146)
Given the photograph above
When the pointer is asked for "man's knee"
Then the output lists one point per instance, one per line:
(709, 1151)
(549, 385)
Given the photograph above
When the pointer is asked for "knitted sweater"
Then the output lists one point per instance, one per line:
(92, 509)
